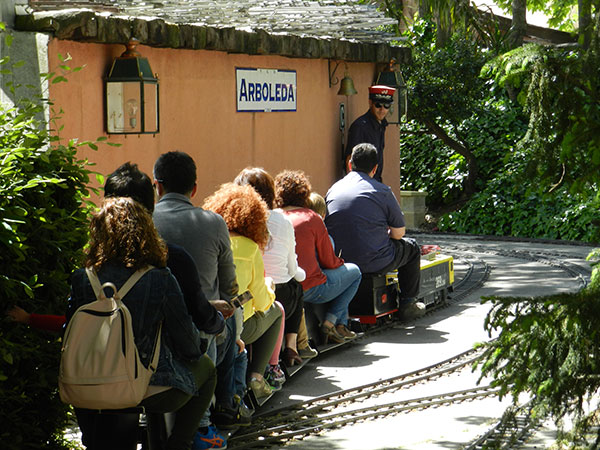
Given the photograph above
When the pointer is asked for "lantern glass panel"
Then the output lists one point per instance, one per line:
(392, 116)
(151, 107)
(123, 101)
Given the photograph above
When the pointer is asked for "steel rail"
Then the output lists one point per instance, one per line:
(515, 425)
(317, 423)
(433, 371)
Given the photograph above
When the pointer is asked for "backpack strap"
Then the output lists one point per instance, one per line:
(131, 282)
(117, 295)
(95, 282)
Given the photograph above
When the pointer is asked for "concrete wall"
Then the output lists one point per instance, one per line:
(27, 47)
(198, 115)
(30, 49)
(7, 12)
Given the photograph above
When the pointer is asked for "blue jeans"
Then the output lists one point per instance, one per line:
(338, 291)
(226, 352)
(223, 356)
(240, 369)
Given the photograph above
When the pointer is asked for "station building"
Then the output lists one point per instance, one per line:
(239, 83)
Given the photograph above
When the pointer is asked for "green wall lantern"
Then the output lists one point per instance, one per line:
(131, 93)
(391, 76)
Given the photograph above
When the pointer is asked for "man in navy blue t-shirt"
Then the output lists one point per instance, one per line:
(367, 224)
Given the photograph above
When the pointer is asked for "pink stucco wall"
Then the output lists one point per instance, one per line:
(198, 115)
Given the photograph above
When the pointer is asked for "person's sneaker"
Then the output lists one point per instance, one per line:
(273, 379)
(413, 311)
(260, 388)
(275, 374)
(307, 352)
(344, 331)
(212, 439)
(228, 418)
(274, 385)
(245, 410)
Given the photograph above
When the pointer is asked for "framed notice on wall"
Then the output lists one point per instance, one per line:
(265, 90)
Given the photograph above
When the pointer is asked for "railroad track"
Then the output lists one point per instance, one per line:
(453, 246)
(311, 423)
(551, 259)
(337, 409)
(510, 432)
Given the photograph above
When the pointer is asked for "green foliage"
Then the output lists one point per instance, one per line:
(509, 207)
(549, 347)
(43, 228)
(549, 187)
(560, 88)
(595, 280)
(444, 82)
(447, 95)
(427, 164)
(537, 167)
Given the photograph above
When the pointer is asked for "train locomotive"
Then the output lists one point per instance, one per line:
(377, 297)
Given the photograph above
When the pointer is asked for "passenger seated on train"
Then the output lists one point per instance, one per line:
(204, 235)
(368, 227)
(329, 279)
(281, 264)
(245, 214)
(318, 205)
(122, 240)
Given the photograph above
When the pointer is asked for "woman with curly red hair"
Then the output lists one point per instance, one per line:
(328, 279)
(245, 214)
(281, 263)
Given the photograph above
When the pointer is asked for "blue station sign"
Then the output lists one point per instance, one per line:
(265, 90)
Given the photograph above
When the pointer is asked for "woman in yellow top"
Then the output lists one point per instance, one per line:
(246, 214)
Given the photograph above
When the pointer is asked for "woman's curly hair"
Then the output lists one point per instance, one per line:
(244, 211)
(292, 188)
(122, 231)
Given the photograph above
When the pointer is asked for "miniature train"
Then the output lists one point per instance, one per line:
(377, 296)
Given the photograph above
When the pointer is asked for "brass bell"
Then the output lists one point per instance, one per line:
(347, 86)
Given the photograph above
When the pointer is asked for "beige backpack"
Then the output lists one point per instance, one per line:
(100, 367)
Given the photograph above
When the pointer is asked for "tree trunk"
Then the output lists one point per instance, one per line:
(444, 26)
(423, 8)
(461, 149)
(518, 27)
(585, 22)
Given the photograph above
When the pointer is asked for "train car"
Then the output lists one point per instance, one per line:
(437, 279)
(377, 296)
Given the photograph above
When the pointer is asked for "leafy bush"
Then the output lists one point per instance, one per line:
(560, 89)
(426, 164)
(509, 207)
(43, 228)
(533, 178)
(462, 125)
